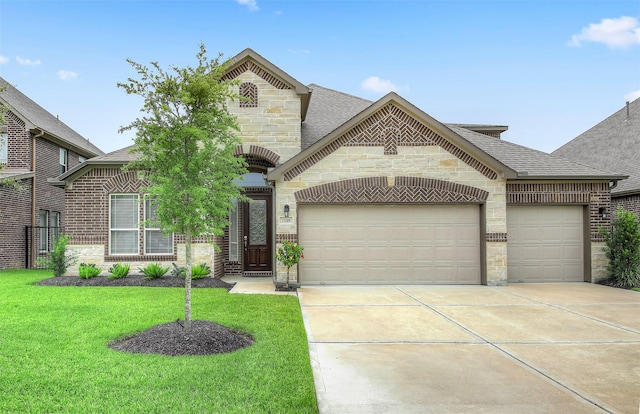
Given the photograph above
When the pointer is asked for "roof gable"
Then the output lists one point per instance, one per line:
(249, 60)
(390, 122)
(36, 117)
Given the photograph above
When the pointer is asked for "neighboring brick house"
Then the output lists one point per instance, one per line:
(376, 192)
(34, 147)
(614, 145)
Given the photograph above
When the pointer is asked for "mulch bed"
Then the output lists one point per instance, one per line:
(204, 338)
(135, 280)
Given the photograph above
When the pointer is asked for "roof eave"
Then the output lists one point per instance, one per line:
(77, 171)
(18, 176)
(523, 175)
(62, 142)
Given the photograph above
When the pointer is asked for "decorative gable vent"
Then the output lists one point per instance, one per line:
(248, 91)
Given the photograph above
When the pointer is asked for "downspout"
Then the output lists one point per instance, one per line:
(33, 192)
(33, 185)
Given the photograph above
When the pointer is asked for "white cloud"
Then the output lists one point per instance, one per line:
(3, 60)
(27, 62)
(632, 96)
(251, 4)
(67, 75)
(615, 33)
(375, 84)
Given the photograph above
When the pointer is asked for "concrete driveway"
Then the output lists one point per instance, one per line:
(531, 348)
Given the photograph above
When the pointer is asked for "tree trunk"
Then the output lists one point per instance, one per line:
(187, 282)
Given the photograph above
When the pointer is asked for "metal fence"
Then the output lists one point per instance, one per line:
(38, 244)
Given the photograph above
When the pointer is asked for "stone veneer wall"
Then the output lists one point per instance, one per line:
(594, 195)
(429, 164)
(275, 122)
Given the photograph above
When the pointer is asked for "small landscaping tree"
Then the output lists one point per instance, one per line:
(186, 141)
(289, 254)
(58, 260)
(623, 249)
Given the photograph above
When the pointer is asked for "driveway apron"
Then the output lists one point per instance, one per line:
(526, 348)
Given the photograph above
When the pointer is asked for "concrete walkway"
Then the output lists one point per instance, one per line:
(533, 348)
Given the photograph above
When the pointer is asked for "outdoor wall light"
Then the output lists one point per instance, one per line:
(602, 212)
(286, 210)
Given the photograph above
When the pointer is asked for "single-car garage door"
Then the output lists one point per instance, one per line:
(545, 244)
(381, 244)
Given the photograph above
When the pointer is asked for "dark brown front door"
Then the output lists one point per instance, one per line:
(256, 225)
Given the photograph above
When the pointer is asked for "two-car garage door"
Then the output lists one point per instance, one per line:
(399, 243)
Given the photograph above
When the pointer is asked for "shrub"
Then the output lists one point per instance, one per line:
(118, 271)
(87, 271)
(623, 249)
(154, 271)
(200, 271)
(178, 271)
(58, 260)
(629, 278)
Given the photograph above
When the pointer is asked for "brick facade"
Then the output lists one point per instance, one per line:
(15, 214)
(19, 144)
(87, 207)
(630, 203)
(594, 195)
(17, 206)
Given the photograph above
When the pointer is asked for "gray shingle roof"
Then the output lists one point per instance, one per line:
(328, 109)
(116, 158)
(527, 162)
(38, 117)
(613, 144)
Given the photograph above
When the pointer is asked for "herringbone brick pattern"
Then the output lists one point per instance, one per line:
(390, 127)
(405, 190)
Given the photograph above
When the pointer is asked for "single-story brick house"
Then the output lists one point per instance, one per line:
(376, 192)
(614, 145)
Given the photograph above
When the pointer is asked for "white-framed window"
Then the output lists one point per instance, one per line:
(43, 227)
(154, 241)
(55, 225)
(4, 148)
(64, 157)
(233, 233)
(124, 228)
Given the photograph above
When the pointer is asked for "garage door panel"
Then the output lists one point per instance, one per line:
(545, 244)
(390, 244)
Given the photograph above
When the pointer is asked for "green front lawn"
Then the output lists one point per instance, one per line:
(54, 355)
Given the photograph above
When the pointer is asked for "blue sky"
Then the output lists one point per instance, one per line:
(549, 69)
